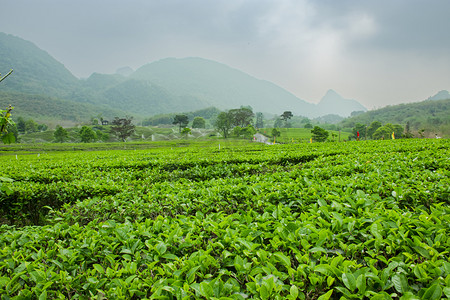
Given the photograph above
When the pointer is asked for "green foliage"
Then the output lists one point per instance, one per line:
(36, 71)
(6, 124)
(223, 124)
(186, 131)
(275, 132)
(122, 127)
(60, 134)
(44, 108)
(199, 122)
(181, 120)
(285, 117)
(359, 131)
(320, 221)
(241, 117)
(433, 116)
(259, 120)
(319, 134)
(372, 128)
(87, 135)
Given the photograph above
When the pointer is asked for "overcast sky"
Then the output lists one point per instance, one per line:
(378, 52)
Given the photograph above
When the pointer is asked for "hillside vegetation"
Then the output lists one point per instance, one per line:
(432, 116)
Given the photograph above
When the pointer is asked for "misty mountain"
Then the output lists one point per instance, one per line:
(220, 86)
(35, 71)
(166, 86)
(333, 103)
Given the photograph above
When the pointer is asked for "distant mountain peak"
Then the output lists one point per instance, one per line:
(441, 95)
(333, 103)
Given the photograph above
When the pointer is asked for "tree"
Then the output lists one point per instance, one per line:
(398, 131)
(308, 125)
(42, 127)
(408, 133)
(276, 133)
(278, 123)
(361, 129)
(259, 120)
(319, 134)
(20, 125)
(241, 117)
(285, 117)
(181, 120)
(385, 132)
(60, 134)
(199, 122)
(31, 126)
(223, 124)
(87, 135)
(372, 128)
(102, 136)
(122, 127)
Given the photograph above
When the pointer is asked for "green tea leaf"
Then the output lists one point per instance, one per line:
(400, 283)
(293, 292)
(349, 281)
(283, 259)
(161, 248)
(99, 268)
(361, 283)
(434, 292)
(263, 293)
(206, 290)
(326, 296)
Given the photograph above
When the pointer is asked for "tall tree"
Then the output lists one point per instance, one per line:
(259, 120)
(372, 128)
(241, 117)
(122, 127)
(319, 134)
(199, 122)
(286, 115)
(181, 120)
(359, 131)
(60, 134)
(223, 124)
(87, 135)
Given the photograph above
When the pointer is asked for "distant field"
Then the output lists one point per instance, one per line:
(301, 135)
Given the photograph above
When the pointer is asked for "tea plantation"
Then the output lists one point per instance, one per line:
(251, 221)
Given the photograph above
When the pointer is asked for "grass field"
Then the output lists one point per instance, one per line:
(225, 220)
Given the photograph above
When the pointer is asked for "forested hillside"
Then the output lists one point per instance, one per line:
(45, 108)
(428, 115)
(35, 71)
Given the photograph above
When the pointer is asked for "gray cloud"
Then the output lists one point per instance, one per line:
(376, 52)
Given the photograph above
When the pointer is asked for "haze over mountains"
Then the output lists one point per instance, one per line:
(165, 86)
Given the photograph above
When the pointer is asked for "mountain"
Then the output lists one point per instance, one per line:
(215, 84)
(35, 71)
(41, 107)
(165, 86)
(441, 95)
(333, 103)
